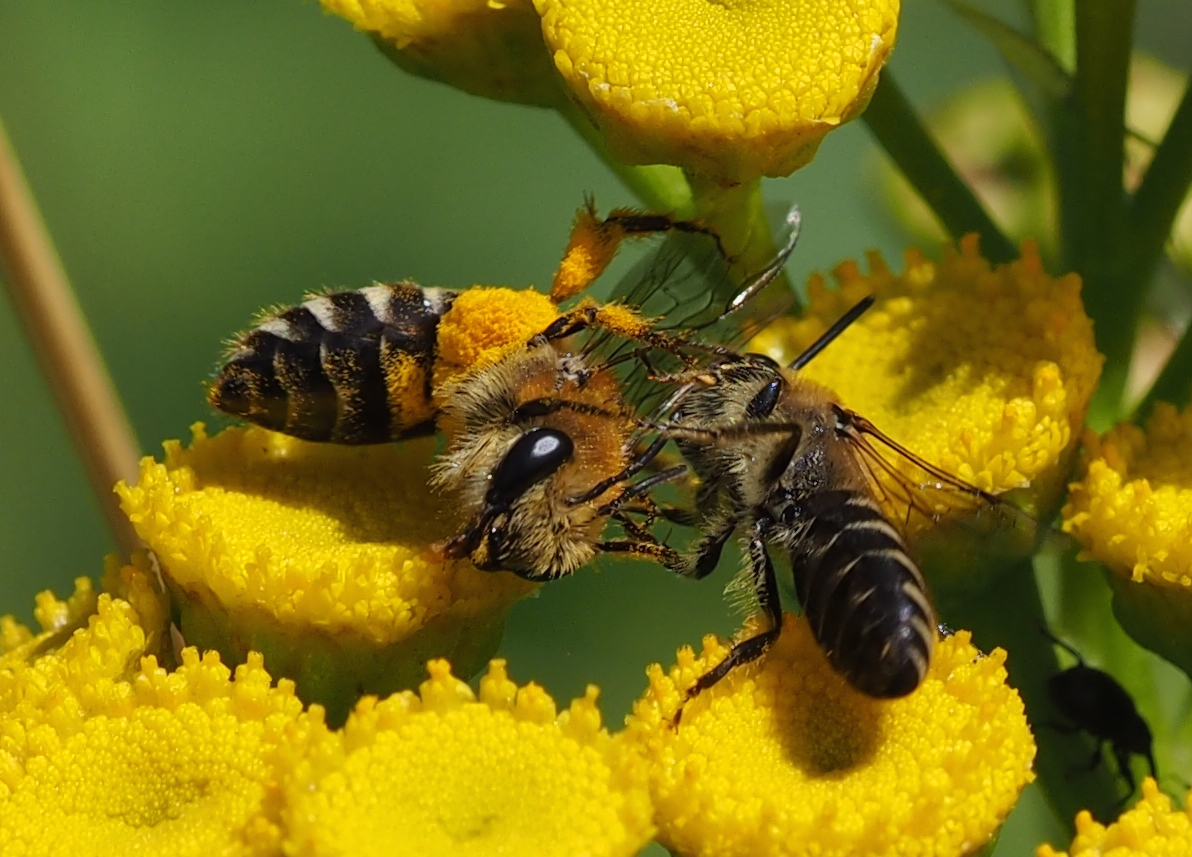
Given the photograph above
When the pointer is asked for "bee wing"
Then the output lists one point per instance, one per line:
(909, 487)
(687, 284)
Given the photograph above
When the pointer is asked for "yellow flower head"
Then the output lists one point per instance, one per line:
(985, 372)
(1132, 511)
(175, 763)
(786, 758)
(491, 48)
(1150, 829)
(49, 696)
(58, 620)
(318, 556)
(728, 91)
(87, 646)
(442, 772)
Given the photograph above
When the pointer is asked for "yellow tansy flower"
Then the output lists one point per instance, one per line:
(1132, 510)
(50, 696)
(983, 371)
(492, 48)
(728, 91)
(442, 772)
(88, 645)
(58, 620)
(319, 556)
(1150, 829)
(176, 763)
(785, 758)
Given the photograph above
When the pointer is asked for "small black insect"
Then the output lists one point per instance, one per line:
(1095, 703)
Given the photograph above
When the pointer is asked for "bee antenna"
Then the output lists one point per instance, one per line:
(832, 332)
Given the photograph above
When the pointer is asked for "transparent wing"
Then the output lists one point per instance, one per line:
(688, 285)
(924, 499)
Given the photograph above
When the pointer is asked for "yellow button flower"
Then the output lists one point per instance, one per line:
(442, 772)
(984, 371)
(728, 91)
(785, 758)
(87, 645)
(58, 620)
(1150, 829)
(319, 556)
(176, 763)
(1132, 511)
(491, 48)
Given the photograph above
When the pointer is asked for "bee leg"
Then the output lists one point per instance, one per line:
(749, 650)
(648, 455)
(707, 552)
(682, 517)
(629, 325)
(645, 548)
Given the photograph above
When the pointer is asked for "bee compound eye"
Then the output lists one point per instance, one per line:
(533, 457)
(765, 400)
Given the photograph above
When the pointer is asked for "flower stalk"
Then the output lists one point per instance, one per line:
(69, 359)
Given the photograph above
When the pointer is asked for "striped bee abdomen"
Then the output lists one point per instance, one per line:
(350, 367)
(864, 597)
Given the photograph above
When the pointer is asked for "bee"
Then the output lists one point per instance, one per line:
(541, 443)
(1094, 702)
(782, 461)
(366, 366)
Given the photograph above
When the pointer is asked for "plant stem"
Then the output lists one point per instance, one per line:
(1088, 150)
(1154, 206)
(907, 141)
(1174, 383)
(738, 215)
(1055, 30)
(64, 347)
(660, 187)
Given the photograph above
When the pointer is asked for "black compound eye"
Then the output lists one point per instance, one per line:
(533, 457)
(765, 400)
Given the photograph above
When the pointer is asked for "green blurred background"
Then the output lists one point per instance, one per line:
(198, 161)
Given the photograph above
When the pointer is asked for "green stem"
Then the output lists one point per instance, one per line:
(738, 215)
(1154, 206)
(1009, 613)
(660, 187)
(1055, 29)
(1089, 140)
(907, 141)
(1174, 383)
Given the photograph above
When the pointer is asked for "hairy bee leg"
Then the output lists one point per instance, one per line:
(682, 517)
(637, 223)
(636, 490)
(596, 241)
(744, 429)
(746, 651)
(634, 467)
(707, 554)
(652, 550)
(546, 405)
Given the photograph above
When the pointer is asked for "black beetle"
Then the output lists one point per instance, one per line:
(1095, 703)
